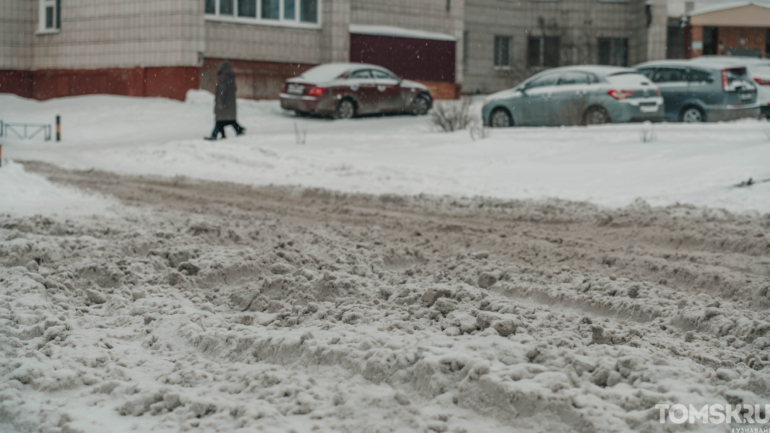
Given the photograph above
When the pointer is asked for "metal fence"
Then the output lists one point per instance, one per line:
(25, 131)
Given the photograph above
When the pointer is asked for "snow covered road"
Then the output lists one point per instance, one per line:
(606, 165)
(540, 280)
(221, 307)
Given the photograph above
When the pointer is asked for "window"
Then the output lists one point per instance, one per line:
(382, 75)
(289, 12)
(668, 75)
(49, 19)
(362, 74)
(502, 51)
(247, 8)
(613, 51)
(548, 80)
(647, 72)
(309, 11)
(226, 7)
(698, 76)
(271, 9)
(569, 78)
(543, 51)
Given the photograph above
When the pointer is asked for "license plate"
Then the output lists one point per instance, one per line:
(648, 104)
(747, 96)
(295, 89)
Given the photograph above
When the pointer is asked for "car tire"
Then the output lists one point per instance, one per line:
(692, 115)
(596, 116)
(500, 118)
(420, 105)
(346, 109)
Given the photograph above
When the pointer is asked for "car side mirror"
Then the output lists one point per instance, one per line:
(523, 90)
(400, 80)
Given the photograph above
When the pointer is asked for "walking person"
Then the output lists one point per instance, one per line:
(224, 107)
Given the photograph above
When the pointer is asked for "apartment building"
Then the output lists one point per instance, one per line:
(55, 48)
(506, 41)
(710, 27)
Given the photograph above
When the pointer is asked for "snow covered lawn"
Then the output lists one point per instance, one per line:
(215, 302)
(606, 165)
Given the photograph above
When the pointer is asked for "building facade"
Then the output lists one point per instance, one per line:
(718, 27)
(55, 48)
(507, 41)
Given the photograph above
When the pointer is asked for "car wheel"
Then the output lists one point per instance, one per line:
(692, 115)
(346, 109)
(500, 118)
(420, 105)
(596, 116)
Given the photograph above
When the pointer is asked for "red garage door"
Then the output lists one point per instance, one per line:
(420, 56)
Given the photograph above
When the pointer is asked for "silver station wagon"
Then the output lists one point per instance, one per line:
(703, 91)
(576, 95)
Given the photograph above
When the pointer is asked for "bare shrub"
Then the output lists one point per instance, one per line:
(479, 131)
(647, 133)
(300, 134)
(452, 116)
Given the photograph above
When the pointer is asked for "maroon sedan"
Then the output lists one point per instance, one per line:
(346, 90)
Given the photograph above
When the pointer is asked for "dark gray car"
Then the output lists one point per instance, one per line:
(703, 92)
(576, 95)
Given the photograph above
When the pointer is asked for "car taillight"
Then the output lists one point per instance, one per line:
(283, 88)
(657, 92)
(621, 94)
(316, 91)
(762, 82)
(724, 80)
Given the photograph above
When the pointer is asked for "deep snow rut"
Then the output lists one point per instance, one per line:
(225, 307)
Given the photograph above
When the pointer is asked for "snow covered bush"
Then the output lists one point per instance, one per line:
(452, 116)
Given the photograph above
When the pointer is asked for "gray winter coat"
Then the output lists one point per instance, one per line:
(225, 93)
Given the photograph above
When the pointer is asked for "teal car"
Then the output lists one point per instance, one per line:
(576, 95)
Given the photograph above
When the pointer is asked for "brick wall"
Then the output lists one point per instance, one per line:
(167, 82)
(754, 38)
(255, 79)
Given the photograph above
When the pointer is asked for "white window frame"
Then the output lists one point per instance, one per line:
(43, 6)
(280, 22)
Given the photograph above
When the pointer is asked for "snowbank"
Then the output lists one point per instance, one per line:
(22, 193)
(607, 165)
